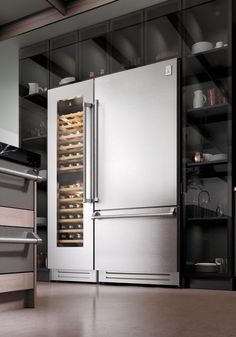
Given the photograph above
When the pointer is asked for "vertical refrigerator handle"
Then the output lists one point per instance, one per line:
(88, 131)
(95, 153)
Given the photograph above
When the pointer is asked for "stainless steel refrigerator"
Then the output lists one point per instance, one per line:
(135, 175)
(127, 176)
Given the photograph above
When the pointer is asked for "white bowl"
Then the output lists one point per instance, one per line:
(219, 156)
(201, 46)
(67, 80)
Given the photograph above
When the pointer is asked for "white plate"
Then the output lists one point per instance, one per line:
(219, 156)
(207, 156)
(205, 264)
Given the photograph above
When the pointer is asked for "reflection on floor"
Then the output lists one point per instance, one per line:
(88, 310)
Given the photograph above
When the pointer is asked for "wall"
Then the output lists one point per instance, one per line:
(9, 98)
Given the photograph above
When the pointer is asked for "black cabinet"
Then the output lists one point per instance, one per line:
(93, 52)
(34, 66)
(207, 146)
(34, 83)
(63, 60)
(126, 44)
(162, 32)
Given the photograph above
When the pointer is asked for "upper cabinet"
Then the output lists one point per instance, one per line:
(34, 83)
(34, 72)
(93, 52)
(126, 44)
(162, 38)
(64, 60)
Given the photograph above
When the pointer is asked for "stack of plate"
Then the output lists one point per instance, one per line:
(219, 156)
(206, 267)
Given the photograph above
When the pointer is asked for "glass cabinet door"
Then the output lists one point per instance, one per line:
(93, 52)
(207, 139)
(34, 82)
(70, 161)
(63, 60)
(126, 47)
(34, 70)
(162, 32)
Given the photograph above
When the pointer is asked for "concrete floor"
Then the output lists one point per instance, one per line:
(87, 310)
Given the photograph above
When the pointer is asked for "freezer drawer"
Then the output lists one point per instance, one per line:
(136, 241)
(17, 249)
(15, 191)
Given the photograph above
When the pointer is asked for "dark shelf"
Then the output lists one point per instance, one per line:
(209, 169)
(215, 51)
(35, 141)
(218, 275)
(209, 114)
(38, 99)
(209, 219)
(207, 66)
(207, 163)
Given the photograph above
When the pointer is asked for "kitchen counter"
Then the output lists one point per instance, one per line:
(18, 155)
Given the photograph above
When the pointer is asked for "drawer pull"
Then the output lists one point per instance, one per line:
(20, 174)
(97, 216)
(31, 238)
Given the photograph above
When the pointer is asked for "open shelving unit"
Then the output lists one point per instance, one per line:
(207, 132)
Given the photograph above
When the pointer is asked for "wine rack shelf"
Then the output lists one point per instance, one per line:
(70, 190)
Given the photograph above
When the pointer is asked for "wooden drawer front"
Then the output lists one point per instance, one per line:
(15, 257)
(14, 191)
(15, 282)
(16, 217)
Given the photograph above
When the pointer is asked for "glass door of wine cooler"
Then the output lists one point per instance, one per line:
(70, 162)
(70, 176)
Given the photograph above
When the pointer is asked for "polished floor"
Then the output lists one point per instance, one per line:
(87, 310)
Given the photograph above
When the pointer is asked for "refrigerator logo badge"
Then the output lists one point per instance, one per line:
(168, 70)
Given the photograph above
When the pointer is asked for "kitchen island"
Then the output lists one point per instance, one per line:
(18, 238)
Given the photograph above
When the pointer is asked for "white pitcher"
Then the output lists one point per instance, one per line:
(199, 99)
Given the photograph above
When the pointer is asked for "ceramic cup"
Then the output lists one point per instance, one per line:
(212, 96)
(199, 99)
(34, 88)
(219, 44)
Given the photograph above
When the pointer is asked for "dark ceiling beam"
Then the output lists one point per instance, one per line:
(49, 16)
(59, 5)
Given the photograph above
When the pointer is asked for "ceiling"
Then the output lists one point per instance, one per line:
(11, 14)
(12, 10)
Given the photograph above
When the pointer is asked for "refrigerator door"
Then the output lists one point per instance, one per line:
(137, 244)
(70, 228)
(136, 137)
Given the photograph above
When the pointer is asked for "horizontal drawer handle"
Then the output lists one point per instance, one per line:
(98, 216)
(20, 174)
(32, 238)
